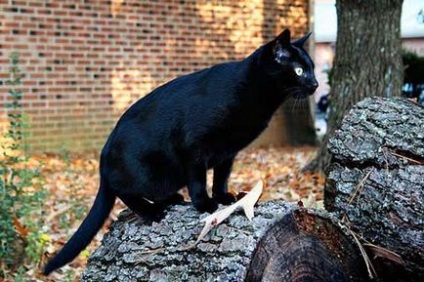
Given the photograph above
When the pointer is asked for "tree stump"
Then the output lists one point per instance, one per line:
(376, 183)
(281, 243)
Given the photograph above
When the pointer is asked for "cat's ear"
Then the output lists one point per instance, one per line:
(301, 41)
(280, 48)
(284, 38)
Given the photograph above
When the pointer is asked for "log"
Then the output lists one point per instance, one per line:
(375, 183)
(306, 246)
(281, 243)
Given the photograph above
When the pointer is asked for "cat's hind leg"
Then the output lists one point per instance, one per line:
(175, 199)
(143, 207)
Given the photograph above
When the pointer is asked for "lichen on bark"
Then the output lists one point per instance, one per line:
(135, 250)
(376, 178)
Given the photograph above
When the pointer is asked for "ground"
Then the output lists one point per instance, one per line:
(72, 182)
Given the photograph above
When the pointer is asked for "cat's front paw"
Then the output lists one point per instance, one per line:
(205, 205)
(225, 198)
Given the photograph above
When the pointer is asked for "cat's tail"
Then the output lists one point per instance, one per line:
(99, 212)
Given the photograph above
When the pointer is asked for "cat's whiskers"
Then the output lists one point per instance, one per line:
(288, 90)
(299, 103)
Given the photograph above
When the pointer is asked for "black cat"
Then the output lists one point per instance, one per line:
(171, 137)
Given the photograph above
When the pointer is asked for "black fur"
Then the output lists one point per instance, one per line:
(171, 137)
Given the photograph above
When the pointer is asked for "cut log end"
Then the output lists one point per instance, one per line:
(306, 247)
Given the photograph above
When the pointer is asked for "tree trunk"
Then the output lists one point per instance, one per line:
(368, 60)
(296, 245)
(376, 182)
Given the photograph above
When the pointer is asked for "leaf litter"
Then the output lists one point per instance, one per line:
(72, 182)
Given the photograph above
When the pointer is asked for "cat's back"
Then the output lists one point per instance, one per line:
(204, 88)
(200, 83)
(193, 101)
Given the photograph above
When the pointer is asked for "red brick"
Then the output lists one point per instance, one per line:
(76, 56)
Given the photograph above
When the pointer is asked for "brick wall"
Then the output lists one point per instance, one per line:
(86, 61)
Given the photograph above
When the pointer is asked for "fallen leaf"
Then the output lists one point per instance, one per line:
(247, 203)
(19, 227)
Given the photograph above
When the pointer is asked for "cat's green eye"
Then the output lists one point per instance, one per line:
(298, 71)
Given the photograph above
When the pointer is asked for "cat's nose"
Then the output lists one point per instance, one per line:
(313, 85)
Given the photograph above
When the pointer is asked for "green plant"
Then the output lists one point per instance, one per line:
(414, 67)
(329, 72)
(75, 187)
(21, 192)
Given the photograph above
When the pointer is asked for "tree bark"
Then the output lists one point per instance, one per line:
(375, 189)
(368, 60)
(304, 245)
(376, 182)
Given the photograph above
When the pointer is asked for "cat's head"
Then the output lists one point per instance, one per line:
(290, 65)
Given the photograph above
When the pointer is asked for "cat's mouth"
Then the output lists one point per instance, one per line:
(304, 93)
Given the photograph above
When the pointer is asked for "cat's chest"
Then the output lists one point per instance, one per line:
(219, 129)
(235, 134)
(227, 143)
